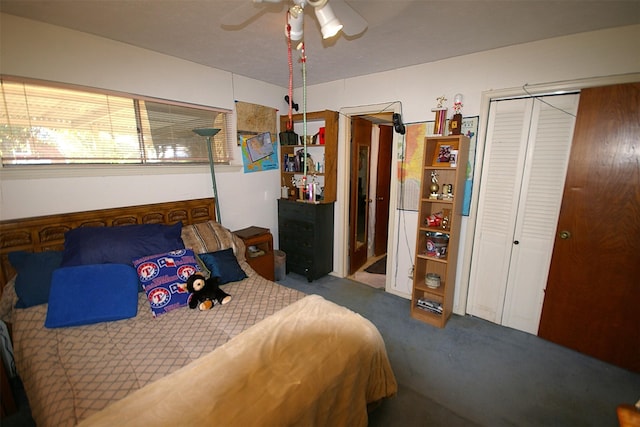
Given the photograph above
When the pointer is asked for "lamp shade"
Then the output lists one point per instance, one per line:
(209, 132)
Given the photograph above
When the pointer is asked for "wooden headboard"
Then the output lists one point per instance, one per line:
(43, 233)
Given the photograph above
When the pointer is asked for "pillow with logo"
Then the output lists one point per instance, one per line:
(163, 276)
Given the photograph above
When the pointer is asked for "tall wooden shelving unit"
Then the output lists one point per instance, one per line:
(305, 227)
(439, 301)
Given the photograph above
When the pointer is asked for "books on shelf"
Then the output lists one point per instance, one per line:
(430, 306)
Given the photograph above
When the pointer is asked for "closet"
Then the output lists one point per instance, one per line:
(525, 163)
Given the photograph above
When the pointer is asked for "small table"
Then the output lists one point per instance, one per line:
(261, 259)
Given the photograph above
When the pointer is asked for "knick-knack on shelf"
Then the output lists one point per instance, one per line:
(455, 125)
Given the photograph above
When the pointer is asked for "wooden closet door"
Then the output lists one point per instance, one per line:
(592, 300)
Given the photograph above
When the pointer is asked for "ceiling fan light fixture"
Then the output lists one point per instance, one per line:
(329, 24)
(295, 20)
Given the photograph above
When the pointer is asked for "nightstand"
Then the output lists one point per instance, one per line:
(261, 259)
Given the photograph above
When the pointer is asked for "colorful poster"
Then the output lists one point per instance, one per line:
(259, 153)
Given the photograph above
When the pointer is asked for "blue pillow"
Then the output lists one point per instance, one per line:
(224, 265)
(87, 294)
(164, 277)
(119, 245)
(34, 275)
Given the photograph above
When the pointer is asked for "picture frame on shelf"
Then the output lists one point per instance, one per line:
(453, 158)
(442, 153)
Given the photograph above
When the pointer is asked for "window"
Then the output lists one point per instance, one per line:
(52, 125)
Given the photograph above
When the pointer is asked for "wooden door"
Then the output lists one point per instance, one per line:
(383, 189)
(592, 299)
(359, 192)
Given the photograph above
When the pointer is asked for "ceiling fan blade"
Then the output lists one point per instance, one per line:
(248, 12)
(353, 23)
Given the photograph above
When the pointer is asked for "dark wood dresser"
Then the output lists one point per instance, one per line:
(305, 231)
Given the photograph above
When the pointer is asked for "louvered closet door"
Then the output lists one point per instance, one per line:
(521, 187)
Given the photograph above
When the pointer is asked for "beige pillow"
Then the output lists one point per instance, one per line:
(210, 236)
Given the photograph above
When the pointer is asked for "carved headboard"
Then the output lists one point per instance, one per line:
(43, 233)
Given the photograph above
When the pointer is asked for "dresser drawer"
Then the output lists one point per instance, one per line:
(297, 210)
(291, 242)
(299, 262)
(299, 229)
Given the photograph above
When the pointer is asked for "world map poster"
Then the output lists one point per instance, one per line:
(410, 161)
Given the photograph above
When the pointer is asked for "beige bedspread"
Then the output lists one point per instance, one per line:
(313, 363)
(71, 373)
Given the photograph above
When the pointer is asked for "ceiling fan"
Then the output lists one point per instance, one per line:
(333, 18)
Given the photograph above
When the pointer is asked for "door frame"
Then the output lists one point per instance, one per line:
(358, 256)
(468, 231)
(340, 259)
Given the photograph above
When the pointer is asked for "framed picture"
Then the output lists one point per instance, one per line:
(453, 158)
(442, 153)
(259, 146)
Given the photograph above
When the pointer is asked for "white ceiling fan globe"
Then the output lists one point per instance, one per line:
(336, 14)
(329, 24)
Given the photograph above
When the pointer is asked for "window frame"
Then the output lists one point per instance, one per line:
(154, 166)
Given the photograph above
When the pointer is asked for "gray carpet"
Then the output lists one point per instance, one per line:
(476, 373)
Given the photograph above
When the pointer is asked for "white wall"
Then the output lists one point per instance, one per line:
(43, 51)
(582, 56)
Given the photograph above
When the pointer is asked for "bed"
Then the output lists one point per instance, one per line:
(271, 356)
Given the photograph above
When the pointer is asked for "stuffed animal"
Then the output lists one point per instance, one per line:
(205, 293)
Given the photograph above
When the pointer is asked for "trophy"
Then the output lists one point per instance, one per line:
(441, 117)
(455, 125)
(434, 187)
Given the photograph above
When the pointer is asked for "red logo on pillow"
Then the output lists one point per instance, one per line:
(147, 271)
(185, 271)
(166, 262)
(159, 297)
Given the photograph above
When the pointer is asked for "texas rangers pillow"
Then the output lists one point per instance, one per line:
(163, 276)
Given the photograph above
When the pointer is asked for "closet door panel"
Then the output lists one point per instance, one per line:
(499, 190)
(548, 149)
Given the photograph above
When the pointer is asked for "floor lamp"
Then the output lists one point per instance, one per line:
(210, 133)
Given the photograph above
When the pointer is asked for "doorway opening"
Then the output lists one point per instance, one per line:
(371, 143)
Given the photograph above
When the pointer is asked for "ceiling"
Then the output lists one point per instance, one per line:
(400, 33)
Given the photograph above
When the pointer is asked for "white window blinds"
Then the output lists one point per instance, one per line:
(51, 125)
